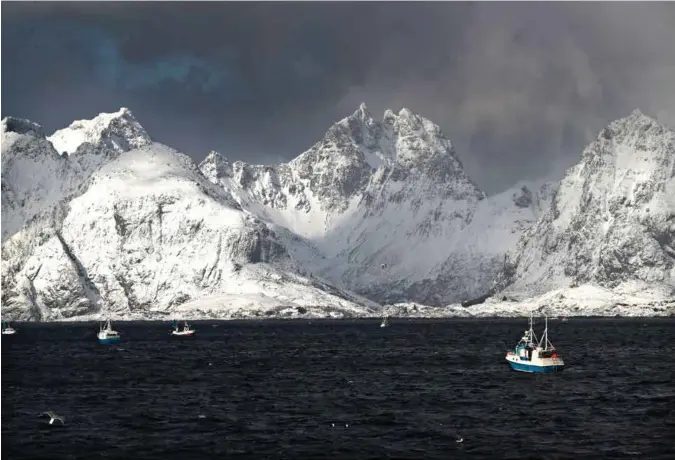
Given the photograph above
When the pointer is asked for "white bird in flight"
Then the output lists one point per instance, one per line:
(54, 417)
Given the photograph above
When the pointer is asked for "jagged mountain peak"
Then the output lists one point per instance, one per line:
(21, 126)
(215, 167)
(398, 137)
(637, 123)
(358, 128)
(631, 140)
(638, 115)
(635, 119)
(215, 157)
(39, 173)
(406, 113)
(23, 139)
(118, 131)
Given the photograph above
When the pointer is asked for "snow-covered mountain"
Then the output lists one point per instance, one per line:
(136, 233)
(111, 223)
(35, 177)
(612, 220)
(118, 131)
(384, 208)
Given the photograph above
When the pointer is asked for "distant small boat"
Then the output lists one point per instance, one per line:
(185, 332)
(385, 322)
(531, 355)
(106, 335)
(564, 319)
(7, 329)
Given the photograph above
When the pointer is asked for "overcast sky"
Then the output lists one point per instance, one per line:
(520, 88)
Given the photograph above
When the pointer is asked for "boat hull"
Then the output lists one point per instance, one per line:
(523, 367)
(183, 334)
(108, 340)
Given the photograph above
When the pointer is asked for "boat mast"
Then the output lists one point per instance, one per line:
(532, 334)
(544, 338)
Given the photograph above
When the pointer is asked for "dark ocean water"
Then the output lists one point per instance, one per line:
(273, 389)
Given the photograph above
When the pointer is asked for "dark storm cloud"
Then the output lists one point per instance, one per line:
(520, 88)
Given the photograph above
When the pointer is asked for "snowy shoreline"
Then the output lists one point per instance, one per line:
(79, 319)
(585, 301)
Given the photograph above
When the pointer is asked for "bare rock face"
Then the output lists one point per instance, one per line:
(384, 208)
(612, 221)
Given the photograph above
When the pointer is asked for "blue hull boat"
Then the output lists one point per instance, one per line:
(533, 355)
(531, 368)
(109, 340)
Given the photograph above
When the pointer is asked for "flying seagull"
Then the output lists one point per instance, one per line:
(53, 417)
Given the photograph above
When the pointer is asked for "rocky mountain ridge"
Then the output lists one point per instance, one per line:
(140, 232)
(384, 208)
(117, 224)
(612, 220)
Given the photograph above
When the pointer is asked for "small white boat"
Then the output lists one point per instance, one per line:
(7, 329)
(185, 332)
(385, 322)
(531, 355)
(107, 335)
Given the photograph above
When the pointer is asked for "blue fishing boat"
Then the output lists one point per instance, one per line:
(532, 355)
(106, 335)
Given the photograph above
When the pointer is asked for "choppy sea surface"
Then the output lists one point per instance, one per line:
(344, 389)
